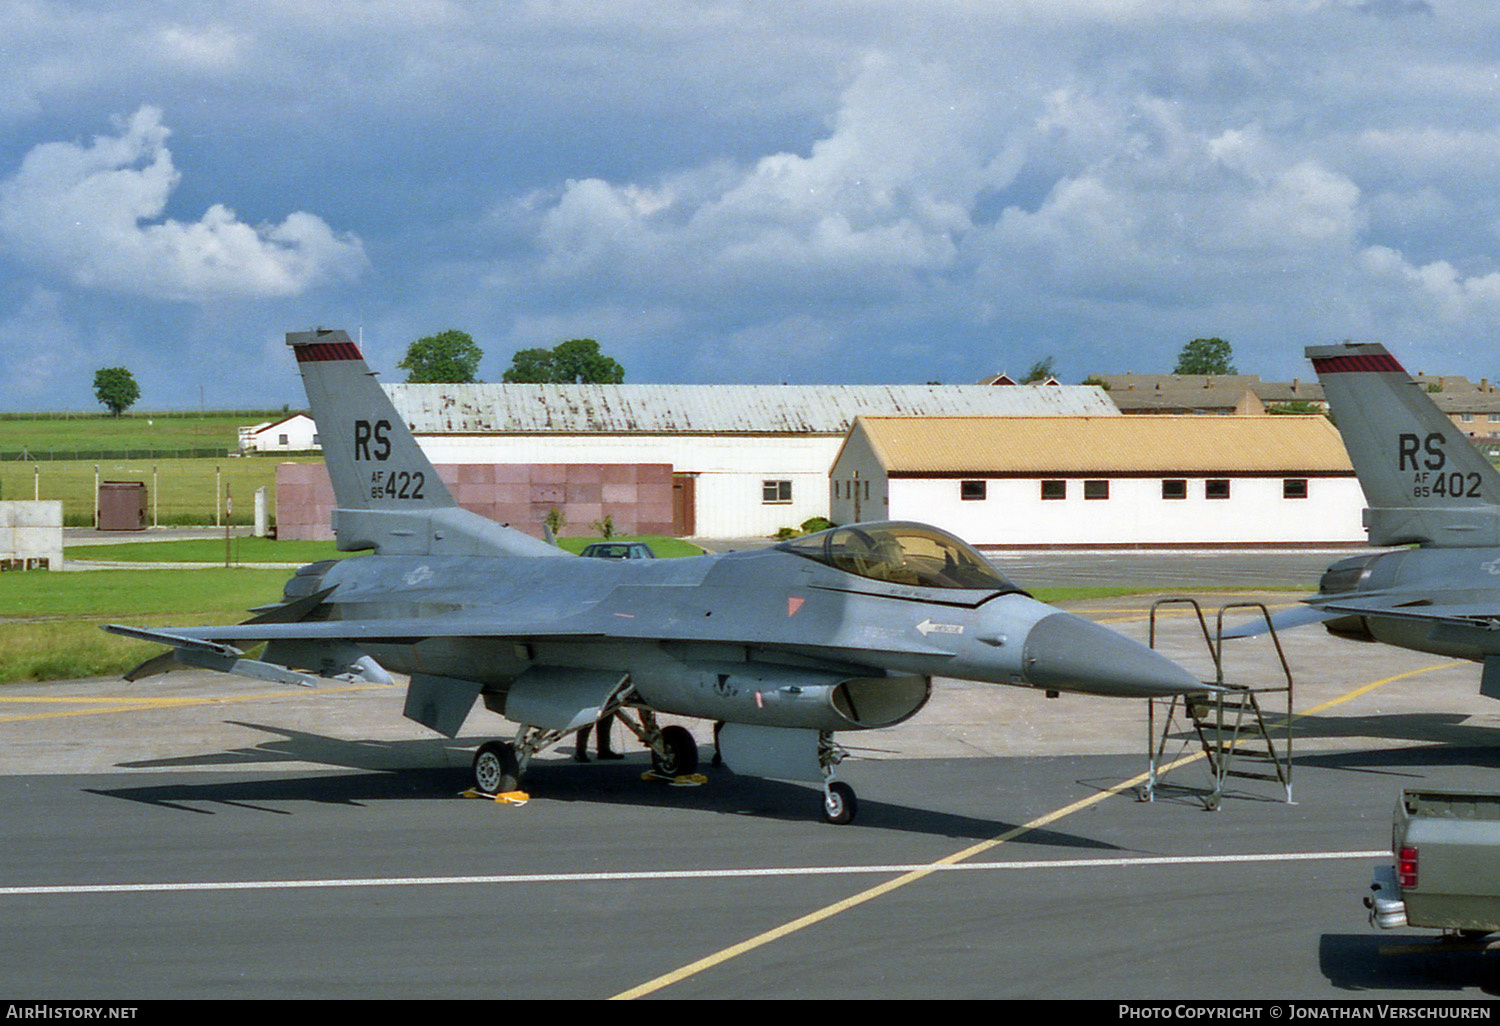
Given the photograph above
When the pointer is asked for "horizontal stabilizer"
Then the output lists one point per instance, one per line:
(177, 641)
(206, 655)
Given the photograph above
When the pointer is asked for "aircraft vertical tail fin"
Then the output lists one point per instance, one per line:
(1425, 482)
(389, 495)
(373, 460)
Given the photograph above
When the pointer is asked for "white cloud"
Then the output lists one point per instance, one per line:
(1434, 291)
(886, 194)
(923, 184)
(211, 48)
(94, 214)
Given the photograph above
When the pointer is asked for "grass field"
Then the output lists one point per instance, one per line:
(130, 431)
(49, 622)
(207, 550)
(265, 550)
(178, 491)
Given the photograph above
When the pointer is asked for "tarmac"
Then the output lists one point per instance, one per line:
(201, 836)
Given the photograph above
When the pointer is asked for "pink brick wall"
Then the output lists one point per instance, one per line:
(638, 496)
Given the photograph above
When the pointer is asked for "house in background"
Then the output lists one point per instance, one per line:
(745, 460)
(1104, 481)
(295, 433)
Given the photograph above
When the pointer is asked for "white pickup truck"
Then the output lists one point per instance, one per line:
(1446, 873)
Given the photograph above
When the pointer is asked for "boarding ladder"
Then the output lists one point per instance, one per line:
(1231, 725)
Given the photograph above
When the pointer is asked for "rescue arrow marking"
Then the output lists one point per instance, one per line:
(928, 627)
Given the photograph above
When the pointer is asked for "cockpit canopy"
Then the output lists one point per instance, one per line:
(901, 553)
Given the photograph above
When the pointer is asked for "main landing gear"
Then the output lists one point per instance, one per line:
(496, 769)
(500, 765)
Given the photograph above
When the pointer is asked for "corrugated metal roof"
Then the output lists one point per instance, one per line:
(1187, 400)
(718, 409)
(1106, 445)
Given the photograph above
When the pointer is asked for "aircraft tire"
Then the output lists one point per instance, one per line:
(496, 770)
(839, 804)
(682, 753)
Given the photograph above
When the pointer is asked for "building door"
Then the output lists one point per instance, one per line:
(684, 505)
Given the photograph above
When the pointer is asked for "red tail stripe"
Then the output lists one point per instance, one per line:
(1365, 364)
(317, 351)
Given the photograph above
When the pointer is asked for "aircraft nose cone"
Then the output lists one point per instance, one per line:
(1067, 652)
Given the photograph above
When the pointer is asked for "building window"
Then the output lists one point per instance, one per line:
(1174, 489)
(776, 491)
(1467, 418)
(283, 440)
(1294, 488)
(1096, 489)
(973, 491)
(1216, 488)
(1054, 489)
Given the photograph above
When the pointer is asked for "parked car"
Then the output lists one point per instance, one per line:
(619, 550)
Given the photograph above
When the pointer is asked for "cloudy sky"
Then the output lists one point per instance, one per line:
(732, 191)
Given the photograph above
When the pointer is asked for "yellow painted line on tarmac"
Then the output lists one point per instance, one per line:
(812, 918)
(100, 706)
(1366, 689)
(828, 912)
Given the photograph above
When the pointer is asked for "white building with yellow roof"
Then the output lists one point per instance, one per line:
(1104, 481)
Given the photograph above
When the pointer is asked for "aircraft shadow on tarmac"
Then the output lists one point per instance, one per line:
(1448, 728)
(1413, 762)
(1422, 965)
(1439, 728)
(429, 769)
(1431, 733)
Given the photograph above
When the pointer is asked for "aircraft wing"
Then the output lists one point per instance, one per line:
(1394, 605)
(228, 640)
(1285, 620)
(1467, 614)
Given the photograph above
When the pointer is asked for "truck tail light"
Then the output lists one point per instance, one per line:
(1406, 868)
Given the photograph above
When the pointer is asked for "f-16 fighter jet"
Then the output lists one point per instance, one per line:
(1428, 487)
(783, 648)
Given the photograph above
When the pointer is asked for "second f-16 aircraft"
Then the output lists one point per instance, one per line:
(780, 648)
(1427, 487)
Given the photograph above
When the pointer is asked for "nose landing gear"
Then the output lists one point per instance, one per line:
(839, 804)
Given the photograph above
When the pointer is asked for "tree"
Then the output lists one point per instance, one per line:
(577, 361)
(450, 357)
(1205, 356)
(1040, 371)
(115, 387)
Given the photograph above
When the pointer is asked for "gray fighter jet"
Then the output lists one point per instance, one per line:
(1428, 487)
(837, 631)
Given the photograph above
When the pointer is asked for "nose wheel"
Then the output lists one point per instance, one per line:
(839, 804)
